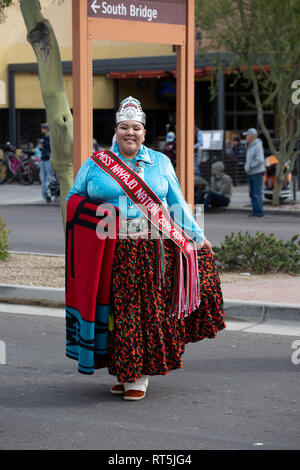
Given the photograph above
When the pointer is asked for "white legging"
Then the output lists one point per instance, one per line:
(139, 384)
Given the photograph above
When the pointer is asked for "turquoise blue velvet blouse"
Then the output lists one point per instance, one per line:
(160, 176)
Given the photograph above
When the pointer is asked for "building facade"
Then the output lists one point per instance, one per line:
(145, 71)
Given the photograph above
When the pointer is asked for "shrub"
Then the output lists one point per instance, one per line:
(4, 246)
(258, 254)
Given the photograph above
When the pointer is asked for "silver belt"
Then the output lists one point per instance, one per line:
(136, 226)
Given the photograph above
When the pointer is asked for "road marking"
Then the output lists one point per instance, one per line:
(2, 352)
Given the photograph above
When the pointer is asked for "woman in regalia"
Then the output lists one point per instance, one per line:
(149, 331)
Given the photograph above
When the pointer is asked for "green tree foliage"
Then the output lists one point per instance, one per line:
(261, 33)
(3, 6)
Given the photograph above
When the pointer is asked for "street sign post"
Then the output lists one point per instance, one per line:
(147, 21)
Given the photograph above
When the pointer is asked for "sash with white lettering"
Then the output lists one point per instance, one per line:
(187, 298)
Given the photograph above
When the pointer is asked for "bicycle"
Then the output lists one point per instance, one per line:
(13, 167)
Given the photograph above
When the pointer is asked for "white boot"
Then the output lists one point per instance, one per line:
(139, 384)
(117, 388)
(136, 390)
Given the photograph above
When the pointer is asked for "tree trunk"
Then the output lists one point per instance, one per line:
(278, 180)
(42, 38)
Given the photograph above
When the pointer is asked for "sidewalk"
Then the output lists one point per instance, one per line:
(273, 289)
(240, 201)
(17, 193)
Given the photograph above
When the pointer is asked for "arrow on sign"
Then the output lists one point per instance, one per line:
(94, 6)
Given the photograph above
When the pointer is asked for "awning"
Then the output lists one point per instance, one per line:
(199, 72)
(141, 74)
(155, 73)
(141, 67)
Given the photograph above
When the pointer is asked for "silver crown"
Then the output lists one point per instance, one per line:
(130, 110)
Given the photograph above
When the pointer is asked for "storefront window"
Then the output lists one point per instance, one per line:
(240, 107)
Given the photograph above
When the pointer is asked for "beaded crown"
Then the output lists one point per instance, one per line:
(130, 110)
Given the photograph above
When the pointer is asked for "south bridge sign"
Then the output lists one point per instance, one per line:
(168, 12)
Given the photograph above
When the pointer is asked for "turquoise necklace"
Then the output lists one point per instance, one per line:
(135, 165)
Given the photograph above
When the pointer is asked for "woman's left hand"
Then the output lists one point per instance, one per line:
(206, 243)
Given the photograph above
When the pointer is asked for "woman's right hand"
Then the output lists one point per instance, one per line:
(206, 243)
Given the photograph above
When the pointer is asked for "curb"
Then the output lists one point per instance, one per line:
(234, 309)
(33, 253)
(260, 311)
(47, 296)
(266, 211)
(31, 204)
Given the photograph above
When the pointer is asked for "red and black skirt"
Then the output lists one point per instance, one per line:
(147, 339)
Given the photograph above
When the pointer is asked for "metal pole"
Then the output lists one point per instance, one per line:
(116, 94)
(180, 117)
(82, 86)
(221, 100)
(12, 130)
(298, 171)
(190, 102)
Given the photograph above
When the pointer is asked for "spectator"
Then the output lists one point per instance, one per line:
(238, 149)
(235, 150)
(37, 149)
(200, 184)
(228, 151)
(198, 143)
(46, 171)
(255, 169)
(220, 191)
(95, 146)
(170, 147)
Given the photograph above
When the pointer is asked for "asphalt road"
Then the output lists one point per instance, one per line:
(238, 391)
(39, 228)
(34, 228)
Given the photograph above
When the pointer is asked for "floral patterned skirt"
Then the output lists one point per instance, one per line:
(146, 339)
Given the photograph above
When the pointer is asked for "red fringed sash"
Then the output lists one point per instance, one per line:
(187, 293)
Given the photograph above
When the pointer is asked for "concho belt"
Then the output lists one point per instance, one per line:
(135, 227)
